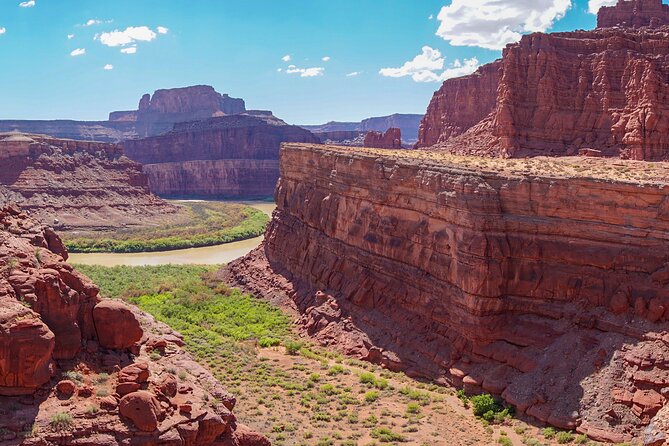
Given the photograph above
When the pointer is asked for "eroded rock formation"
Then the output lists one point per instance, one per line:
(542, 281)
(75, 184)
(63, 382)
(554, 94)
(228, 156)
(407, 123)
(391, 139)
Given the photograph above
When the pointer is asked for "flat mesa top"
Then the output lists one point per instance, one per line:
(576, 167)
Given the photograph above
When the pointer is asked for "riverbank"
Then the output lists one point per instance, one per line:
(202, 223)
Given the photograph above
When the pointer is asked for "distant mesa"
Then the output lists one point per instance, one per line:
(556, 94)
(391, 139)
(331, 132)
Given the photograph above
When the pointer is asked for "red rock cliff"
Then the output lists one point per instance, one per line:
(220, 157)
(537, 283)
(558, 93)
(391, 139)
(79, 184)
(633, 13)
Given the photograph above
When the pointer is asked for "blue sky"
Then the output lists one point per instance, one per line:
(238, 46)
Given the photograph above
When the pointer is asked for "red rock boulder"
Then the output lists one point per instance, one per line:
(142, 408)
(116, 326)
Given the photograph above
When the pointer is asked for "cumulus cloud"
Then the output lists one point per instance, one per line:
(70, 36)
(27, 4)
(594, 5)
(353, 74)
(129, 50)
(429, 67)
(108, 67)
(305, 72)
(326, 59)
(2, 30)
(286, 58)
(493, 24)
(430, 17)
(162, 30)
(92, 22)
(128, 36)
(78, 52)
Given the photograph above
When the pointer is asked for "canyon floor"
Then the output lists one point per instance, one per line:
(297, 393)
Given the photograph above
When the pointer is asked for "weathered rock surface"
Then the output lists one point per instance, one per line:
(52, 360)
(635, 14)
(75, 184)
(116, 326)
(230, 156)
(555, 94)
(391, 139)
(545, 287)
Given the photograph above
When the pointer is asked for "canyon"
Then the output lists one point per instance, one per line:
(228, 156)
(75, 185)
(79, 369)
(407, 123)
(509, 277)
(555, 94)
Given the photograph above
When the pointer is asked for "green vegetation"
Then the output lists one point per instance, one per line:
(207, 224)
(61, 421)
(385, 435)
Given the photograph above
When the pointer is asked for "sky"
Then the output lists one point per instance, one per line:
(309, 61)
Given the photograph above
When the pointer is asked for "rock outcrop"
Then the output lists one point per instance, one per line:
(391, 139)
(634, 13)
(543, 281)
(407, 123)
(75, 184)
(229, 156)
(63, 382)
(555, 94)
(158, 113)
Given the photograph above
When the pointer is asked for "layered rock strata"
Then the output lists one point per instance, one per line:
(636, 14)
(391, 139)
(75, 184)
(555, 94)
(542, 281)
(75, 369)
(230, 156)
(407, 123)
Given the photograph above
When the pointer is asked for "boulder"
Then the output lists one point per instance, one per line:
(142, 408)
(116, 325)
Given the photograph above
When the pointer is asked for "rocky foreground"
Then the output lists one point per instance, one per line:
(77, 369)
(76, 184)
(542, 281)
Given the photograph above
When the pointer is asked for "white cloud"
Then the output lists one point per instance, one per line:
(326, 59)
(92, 22)
(130, 35)
(493, 24)
(279, 70)
(78, 52)
(429, 67)
(27, 4)
(594, 5)
(162, 30)
(305, 72)
(129, 50)
(430, 17)
(108, 67)
(70, 36)
(353, 74)
(2, 30)
(286, 58)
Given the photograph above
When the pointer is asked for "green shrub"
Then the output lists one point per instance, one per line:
(484, 404)
(413, 408)
(61, 421)
(564, 437)
(505, 441)
(385, 435)
(293, 347)
(548, 433)
(371, 396)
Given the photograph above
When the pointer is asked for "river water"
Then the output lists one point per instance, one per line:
(209, 255)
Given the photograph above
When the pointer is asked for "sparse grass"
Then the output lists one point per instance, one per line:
(61, 421)
(209, 223)
(385, 435)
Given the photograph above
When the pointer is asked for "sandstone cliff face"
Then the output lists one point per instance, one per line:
(158, 113)
(558, 93)
(391, 139)
(634, 14)
(75, 184)
(407, 123)
(228, 156)
(527, 285)
(52, 321)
